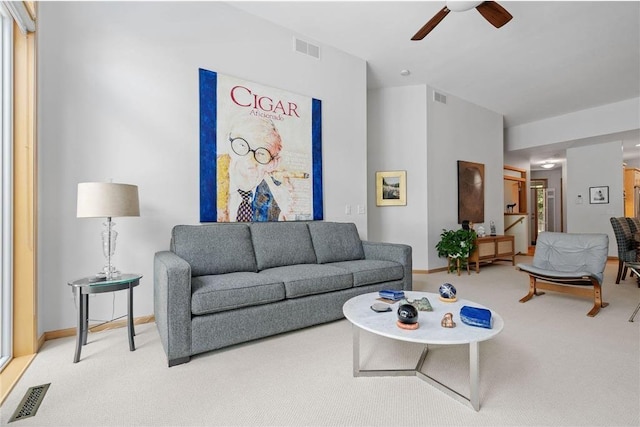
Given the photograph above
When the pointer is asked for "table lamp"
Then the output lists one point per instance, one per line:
(107, 200)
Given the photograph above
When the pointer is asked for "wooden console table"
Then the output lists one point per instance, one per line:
(493, 248)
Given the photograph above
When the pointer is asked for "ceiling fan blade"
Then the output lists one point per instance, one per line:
(426, 29)
(494, 13)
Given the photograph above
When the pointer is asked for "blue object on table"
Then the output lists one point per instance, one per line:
(391, 294)
(475, 316)
(447, 291)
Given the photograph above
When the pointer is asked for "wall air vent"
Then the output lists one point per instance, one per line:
(306, 48)
(438, 97)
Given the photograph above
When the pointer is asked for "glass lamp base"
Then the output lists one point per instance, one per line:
(109, 236)
(109, 272)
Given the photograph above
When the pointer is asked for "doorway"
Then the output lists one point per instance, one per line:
(540, 197)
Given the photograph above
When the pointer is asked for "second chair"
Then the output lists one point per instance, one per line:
(624, 230)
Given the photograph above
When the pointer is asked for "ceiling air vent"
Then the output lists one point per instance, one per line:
(438, 97)
(306, 48)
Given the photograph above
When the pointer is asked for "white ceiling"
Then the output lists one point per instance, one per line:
(553, 58)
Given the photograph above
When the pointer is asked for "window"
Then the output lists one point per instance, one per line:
(6, 186)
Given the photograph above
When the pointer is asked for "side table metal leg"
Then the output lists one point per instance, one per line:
(132, 346)
(474, 372)
(133, 323)
(80, 327)
(634, 313)
(85, 321)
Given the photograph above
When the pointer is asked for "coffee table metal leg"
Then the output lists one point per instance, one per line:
(356, 351)
(474, 399)
(357, 372)
(474, 372)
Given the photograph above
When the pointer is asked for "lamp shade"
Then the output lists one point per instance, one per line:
(106, 199)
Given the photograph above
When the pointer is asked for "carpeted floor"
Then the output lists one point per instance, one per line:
(551, 365)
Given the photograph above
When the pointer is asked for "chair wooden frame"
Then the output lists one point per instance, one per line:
(568, 285)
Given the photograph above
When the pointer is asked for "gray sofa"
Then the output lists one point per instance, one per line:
(227, 283)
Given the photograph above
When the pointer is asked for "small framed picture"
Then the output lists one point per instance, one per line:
(391, 188)
(599, 195)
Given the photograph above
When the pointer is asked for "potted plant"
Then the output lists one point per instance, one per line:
(456, 245)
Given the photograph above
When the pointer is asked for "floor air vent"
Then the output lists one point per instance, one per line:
(30, 402)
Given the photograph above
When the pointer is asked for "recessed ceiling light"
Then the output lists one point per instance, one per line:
(405, 73)
(547, 165)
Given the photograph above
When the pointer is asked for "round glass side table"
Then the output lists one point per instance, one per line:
(91, 285)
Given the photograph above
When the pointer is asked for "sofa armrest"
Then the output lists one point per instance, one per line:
(392, 252)
(172, 305)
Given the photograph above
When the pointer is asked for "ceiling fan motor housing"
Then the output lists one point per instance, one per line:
(461, 6)
(490, 10)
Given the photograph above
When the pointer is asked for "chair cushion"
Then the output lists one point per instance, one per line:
(214, 248)
(558, 275)
(310, 279)
(221, 292)
(335, 241)
(282, 243)
(370, 271)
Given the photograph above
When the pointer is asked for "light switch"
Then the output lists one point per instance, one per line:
(347, 209)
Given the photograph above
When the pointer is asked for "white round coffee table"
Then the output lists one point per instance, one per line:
(358, 311)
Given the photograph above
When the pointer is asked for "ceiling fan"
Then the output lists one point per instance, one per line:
(492, 12)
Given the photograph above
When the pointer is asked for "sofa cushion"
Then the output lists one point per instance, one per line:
(282, 243)
(335, 241)
(214, 248)
(310, 279)
(221, 292)
(371, 271)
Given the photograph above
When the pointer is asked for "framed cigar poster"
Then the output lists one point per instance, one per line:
(260, 152)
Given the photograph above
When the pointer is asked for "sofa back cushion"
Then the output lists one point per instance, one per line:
(282, 243)
(214, 248)
(335, 241)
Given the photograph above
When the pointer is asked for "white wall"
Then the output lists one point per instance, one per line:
(397, 140)
(409, 131)
(594, 166)
(602, 125)
(118, 98)
(460, 130)
(603, 120)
